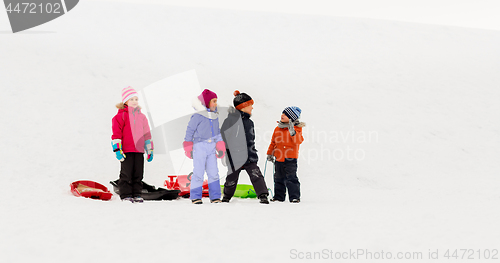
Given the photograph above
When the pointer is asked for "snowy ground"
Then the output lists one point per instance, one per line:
(401, 150)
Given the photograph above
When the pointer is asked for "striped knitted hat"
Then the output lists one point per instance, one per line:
(293, 113)
(128, 93)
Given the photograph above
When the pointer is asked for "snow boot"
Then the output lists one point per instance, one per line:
(225, 199)
(138, 199)
(263, 199)
(130, 199)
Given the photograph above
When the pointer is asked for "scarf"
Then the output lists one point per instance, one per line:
(289, 125)
(209, 114)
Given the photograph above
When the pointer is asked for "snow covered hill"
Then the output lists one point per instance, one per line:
(401, 151)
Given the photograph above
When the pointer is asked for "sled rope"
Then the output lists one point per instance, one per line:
(182, 163)
(269, 189)
(265, 167)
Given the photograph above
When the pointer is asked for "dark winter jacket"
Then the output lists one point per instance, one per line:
(238, 134)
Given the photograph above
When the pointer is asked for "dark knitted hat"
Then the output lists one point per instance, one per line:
(293, 113)
(241, 100)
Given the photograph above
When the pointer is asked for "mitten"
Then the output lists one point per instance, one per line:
(149, 147)
(188, 149)
(271, 158)
(291, 129)
(117, 148)
(220, 147)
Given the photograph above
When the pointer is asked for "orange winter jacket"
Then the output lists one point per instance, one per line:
(283, 145)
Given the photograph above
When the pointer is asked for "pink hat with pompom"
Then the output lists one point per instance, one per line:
(128, 93)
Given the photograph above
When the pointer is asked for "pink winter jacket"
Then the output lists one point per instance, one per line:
(131, 126)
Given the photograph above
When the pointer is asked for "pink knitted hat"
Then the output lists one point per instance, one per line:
(206, 96)
(128, 93)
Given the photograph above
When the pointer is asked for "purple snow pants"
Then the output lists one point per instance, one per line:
(204, 159)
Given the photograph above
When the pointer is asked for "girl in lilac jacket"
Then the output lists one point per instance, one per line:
(131, 137)
(203, 143)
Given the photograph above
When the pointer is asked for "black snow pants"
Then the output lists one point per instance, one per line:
(285, 177)
(258, 182)
(131, 175)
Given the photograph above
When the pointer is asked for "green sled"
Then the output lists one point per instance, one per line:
(243, 191)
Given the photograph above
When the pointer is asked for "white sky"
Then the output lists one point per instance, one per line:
(483, 14)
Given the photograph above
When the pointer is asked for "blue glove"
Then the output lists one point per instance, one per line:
(148, 146)
(117, 148)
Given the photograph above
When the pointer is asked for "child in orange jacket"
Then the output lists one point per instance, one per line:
(284, 152)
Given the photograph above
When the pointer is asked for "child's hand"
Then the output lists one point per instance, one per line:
(148, 146)
(271, 158)
(150, 156)
(117, 148)
(188, 149)
(220, 147)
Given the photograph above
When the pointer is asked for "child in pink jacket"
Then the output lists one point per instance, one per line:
(131, 137)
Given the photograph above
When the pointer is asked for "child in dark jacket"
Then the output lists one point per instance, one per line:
(203, 143)
(131, 137)
(239, 135)
(284, 151)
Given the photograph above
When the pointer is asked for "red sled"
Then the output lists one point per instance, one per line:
(182, 183)
(90, 189)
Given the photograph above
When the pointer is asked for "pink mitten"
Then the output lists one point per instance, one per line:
(220, 147)
(188, 149)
